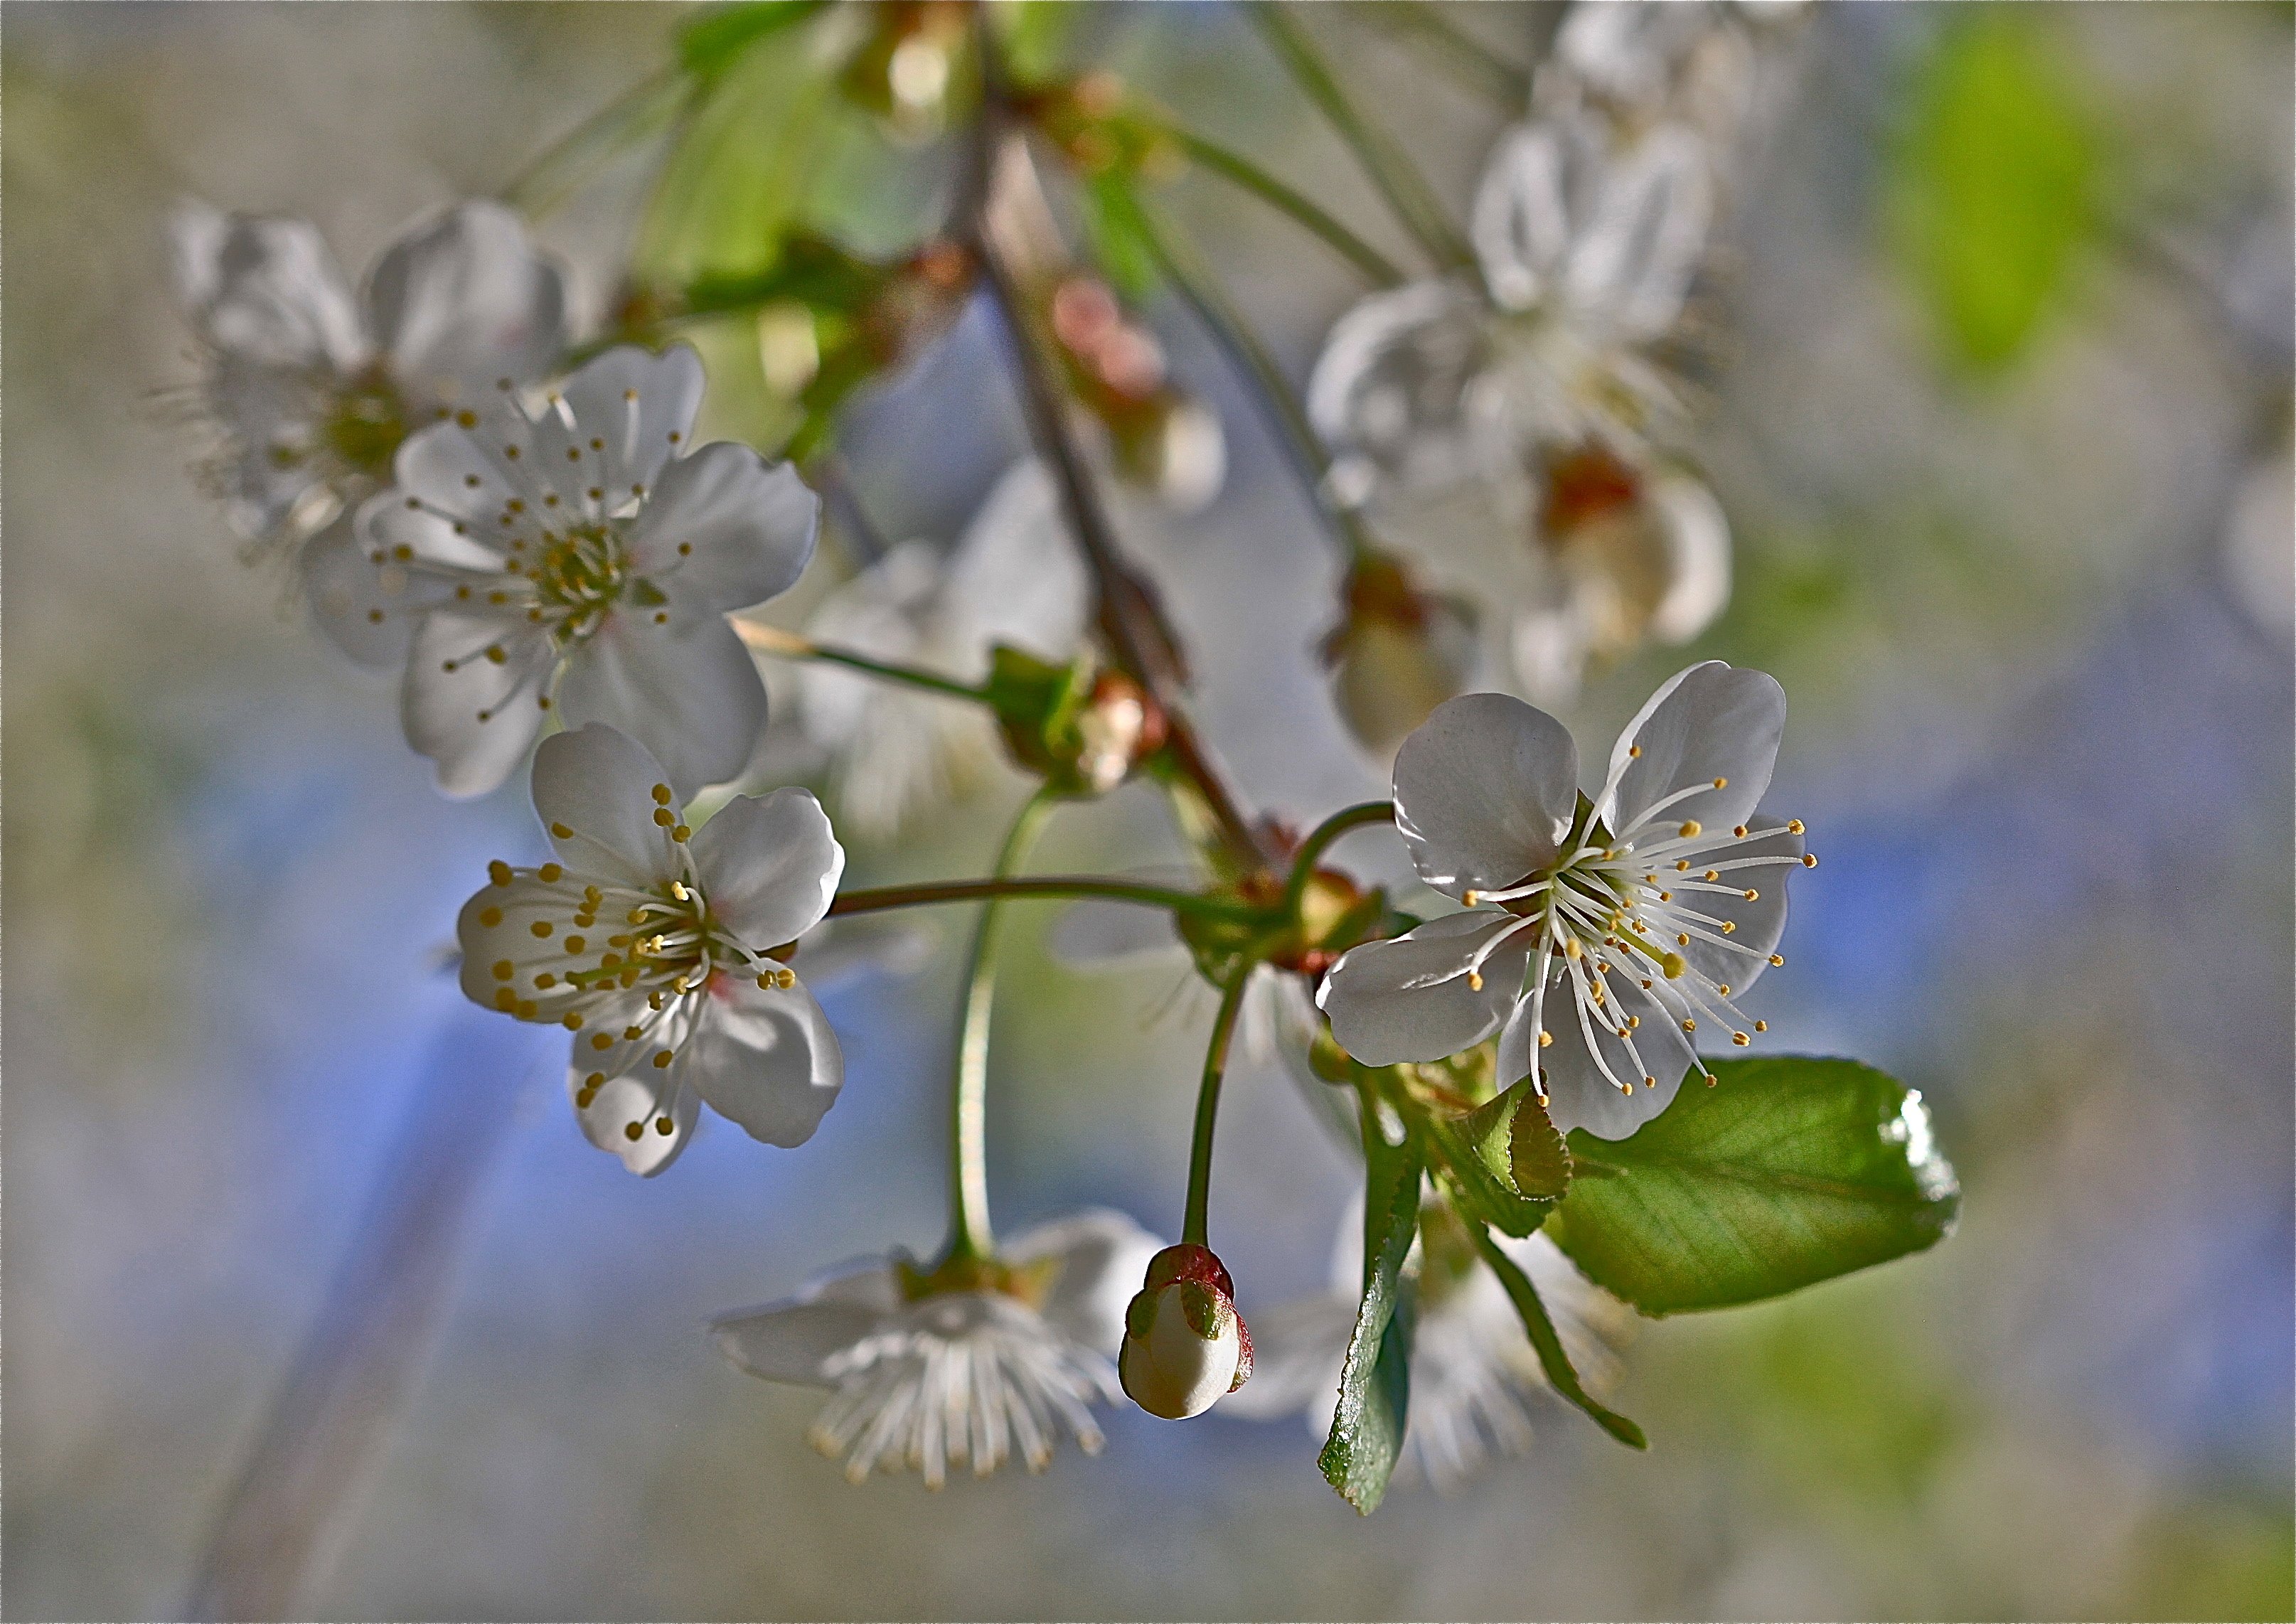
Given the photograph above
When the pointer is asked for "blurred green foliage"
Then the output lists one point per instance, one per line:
(1996, 185)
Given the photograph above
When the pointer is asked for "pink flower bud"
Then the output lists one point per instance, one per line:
(1184, 1345)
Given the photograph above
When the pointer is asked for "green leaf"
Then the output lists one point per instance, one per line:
(1376, 1382)
(714, 41)
(1119, 244)
(1477, 1151)
(1997, 185)
(1547, 1343)
(1790, 1171)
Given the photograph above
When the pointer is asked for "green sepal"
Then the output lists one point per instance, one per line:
(1037, 704)
(1790, 1171)
(1547, 1342)
(1374, 1398)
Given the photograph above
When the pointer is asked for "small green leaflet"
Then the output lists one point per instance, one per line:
(1790, 1171)
(1376, 1382)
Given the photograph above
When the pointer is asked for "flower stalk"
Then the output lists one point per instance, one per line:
(789, 646)
(1196, 1215)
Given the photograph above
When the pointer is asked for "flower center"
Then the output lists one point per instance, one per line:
(578, 578)
(365, 423)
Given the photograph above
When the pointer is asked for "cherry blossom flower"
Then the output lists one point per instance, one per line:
(1474, 1377)
(658, 947)
(312, 389)
(1013, 577)
(579, 555)
(1604, 938)
(975, 1363)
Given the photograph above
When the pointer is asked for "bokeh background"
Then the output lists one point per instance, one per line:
(1997, 382)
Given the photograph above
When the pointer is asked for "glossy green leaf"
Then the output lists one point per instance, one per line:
(1996, 184)
(1375, 1380)
(1547, 1343)
(1788, 1172)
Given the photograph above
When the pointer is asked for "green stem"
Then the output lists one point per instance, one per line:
(789, 646)
(1470, 61)
(1184, 266)
(1390, 170)
(1319, 839)
(596, 137)
(969, 1234)
(1193, 1224)
(1241, 171)
(879, 898)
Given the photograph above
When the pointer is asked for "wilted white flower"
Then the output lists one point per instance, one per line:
(655, 946)
(1013, 577)
(1473, 1373)
(582, 555)
(968, 1364)
(1601, 934)
(312, 389)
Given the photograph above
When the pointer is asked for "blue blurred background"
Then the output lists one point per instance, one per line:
(1999, 528)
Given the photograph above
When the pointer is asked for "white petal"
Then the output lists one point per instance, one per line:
(273, 295)
(623, 1102)
(476, 720)
(1409, 999)
(693, 694)
(1101, 1256)
(1646, 229)
(464, 475)
(196, 232)
(724, 528)
(767, 1059)
(791, 1340)
(1698, 556)
(501, 952)
(598, 783)
(463, 301)
(1484, 789)
(641, 404)
(769, 866)
(1015, 576)
(1521, 219)
(1710, 721)
(368, 611)
(1390, 384)
(1578, 1096)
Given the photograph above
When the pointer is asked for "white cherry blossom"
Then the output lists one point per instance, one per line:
(1474, 1377)
(1012, 578)
(1604, 938)
(655, 944)
(312, 389)
(972, 1365)
(582, 554)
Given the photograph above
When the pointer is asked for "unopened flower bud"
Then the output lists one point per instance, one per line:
(1398, 653)
(1186, 1347)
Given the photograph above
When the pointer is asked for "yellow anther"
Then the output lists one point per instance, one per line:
(1740, 1039)
(1650, 1082)
(1690, 1026)
(1809, 859)
(1778, 959)
(1721, 784)
(1692, 829)
(491, 917)
(1681, 940)
(572, 1022)
(561, 832)
(1752, 895)
(596, 1080)
(1666, 896)
(1682, 867)
(664, 1126)
(681, 834)
(1761, 1026)
(636, 916)
(545, 981)
(1672, 967)
(1474, 980)
(767, 981)
(661, 795)
(1625, 1087)
(1633, 1023)
(663, 816)
(1471, 896)
(633, 1033)
(601, 1041)
(661, 1060)
(542, 926)
(505, 969)
(1739, 832)
(1723, 988)
(1571, 948)
(506, 1000)
(1634, 751)
(634, 1131)
(1795, 826)
(677, 890)
(526, 1008)
(574, 944)
(1729, 927)
(495, 653)
(550, 874)
(498, 872)
(1545, 1040)
(1711, 1080)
